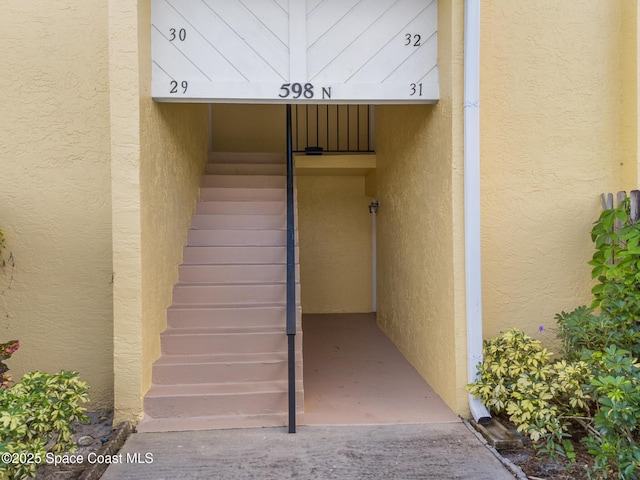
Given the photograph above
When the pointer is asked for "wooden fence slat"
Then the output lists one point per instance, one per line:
(609, 201)
(620, 198)
(634, 204)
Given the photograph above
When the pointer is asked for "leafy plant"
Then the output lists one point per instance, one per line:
(614, 427)
(582, 330)
(36, 416)
(616, 262)
(6, 350)
(518, 378)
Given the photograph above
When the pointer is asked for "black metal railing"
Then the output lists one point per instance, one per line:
(291, 280)
(333, 128)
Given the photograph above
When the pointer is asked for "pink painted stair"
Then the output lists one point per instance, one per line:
(224, 352)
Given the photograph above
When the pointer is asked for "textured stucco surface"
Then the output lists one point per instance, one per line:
(248, 128)
(630, 111)
(551, 126)
(174, 139)
(334, 228)
(55, 206)
(124, 84)
(158, 156)
(420, 251)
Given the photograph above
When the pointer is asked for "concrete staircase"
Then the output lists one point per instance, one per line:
(224, 352)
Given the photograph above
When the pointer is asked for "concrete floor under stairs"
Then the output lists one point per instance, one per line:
(224, 352)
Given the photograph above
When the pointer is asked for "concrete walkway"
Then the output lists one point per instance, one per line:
(445, 451)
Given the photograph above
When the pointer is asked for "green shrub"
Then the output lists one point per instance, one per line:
(518, 378)
(583, 331)
(36, 416)
(614, 427)
(616, 264)
(597, 383)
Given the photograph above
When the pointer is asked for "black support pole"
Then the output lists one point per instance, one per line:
(291, 280)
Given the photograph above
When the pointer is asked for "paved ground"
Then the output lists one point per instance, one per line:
(429, 451)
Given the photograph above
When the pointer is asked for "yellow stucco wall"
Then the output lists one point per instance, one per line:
(551, 126)
(158, 157)
(420, 251)
(174, 139)
(248, 128)
(334, 228)
(55, 186)
(124, 78)
(629, 72)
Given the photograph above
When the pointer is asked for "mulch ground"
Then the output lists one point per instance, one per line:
(97, 438)
(537, 465)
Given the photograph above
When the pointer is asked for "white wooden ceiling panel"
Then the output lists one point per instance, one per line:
(315, 51)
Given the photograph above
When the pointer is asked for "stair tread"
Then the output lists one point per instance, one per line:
(176, 423)
(243, 215)
(241, 175)
(217, 306)
(220, 306)
(207, 358)
(274, 203)
(225, 330)
(235, 230)
(282, 190)
(248, 283)
(243, 157)
(227, 388)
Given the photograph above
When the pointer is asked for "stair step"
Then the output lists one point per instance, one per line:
(243, 293)
(249, 398)
(220, 193)
(223, 360)
(180, 342)
(244, 181)
(247, 157)
(235, 255)
(238, 222)
(192, 369)
(232, 274)
(246, 168)
(197, 316)
(212, 238)
(192, 359)
(274, 207)
(150, 424)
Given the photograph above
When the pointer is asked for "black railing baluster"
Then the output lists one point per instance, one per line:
(297, 147)
(291, 280)
(337, 128)
(350, 134)
(358, 127)
(327, 127)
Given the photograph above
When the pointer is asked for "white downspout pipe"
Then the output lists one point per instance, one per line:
(472, 200)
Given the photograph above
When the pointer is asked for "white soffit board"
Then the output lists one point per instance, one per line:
(294, 51)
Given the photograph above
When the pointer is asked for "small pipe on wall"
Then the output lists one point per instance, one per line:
(373, 209)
